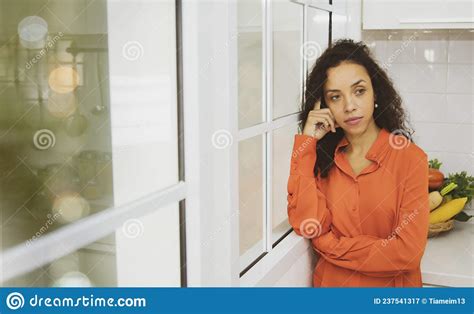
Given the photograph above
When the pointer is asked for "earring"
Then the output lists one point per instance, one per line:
(376, 105)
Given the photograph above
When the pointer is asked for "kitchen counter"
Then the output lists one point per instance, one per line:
(449, 256)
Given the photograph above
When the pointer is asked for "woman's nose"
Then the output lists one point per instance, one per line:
(350, 105)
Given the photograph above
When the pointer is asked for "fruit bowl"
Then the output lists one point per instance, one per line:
(435, 229)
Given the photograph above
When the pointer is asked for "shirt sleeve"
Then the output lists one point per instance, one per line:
(307, 209)
(403, 249)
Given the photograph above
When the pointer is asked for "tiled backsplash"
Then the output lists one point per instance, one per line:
(433, 72)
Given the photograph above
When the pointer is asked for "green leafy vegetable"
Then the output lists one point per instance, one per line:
(462, 216)
(465, 185)
(434, 163)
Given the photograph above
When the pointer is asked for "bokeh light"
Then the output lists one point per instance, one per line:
(70, 206)
(63, 79)
(73, 279)
(33, 32)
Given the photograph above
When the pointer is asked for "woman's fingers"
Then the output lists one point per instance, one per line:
(317, 105)
(335, 124)
(320, 118)
(330, 113)
(325, 118)
(327, 122)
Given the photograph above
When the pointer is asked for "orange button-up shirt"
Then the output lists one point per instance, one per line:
(370, 229)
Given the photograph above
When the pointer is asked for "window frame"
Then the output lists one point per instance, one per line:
(266, 128)
(24, 258)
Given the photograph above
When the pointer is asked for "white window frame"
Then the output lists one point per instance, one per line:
(274, 253)
(23, 258)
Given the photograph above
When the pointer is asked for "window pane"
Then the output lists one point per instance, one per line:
(143, 252)
(339, 26)
(287, 58)
(88, 112)
(282, 147)
(318, 35)
(144, 96)
(251, 189)
(249, 13)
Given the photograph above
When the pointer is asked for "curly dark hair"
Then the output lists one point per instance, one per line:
(390, 113)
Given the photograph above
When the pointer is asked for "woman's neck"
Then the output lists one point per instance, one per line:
(359, 144)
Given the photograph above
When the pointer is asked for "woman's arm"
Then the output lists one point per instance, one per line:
(403, 250)
(307, 210)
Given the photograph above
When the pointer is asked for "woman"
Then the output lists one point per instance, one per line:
(358, 185)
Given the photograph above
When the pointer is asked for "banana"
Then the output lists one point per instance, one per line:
(448, 210)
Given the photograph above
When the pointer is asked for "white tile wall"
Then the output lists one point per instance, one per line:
(434, 73)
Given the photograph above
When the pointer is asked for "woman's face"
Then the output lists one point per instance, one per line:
(348, 94)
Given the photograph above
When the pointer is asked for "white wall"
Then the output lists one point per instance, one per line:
(433, 71)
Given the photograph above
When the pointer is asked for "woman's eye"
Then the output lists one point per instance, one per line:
(360, 91)
(332, 97)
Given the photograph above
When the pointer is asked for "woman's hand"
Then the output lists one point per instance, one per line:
(319, 122)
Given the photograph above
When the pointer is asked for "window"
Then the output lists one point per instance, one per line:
(282, 139)
(251, 176)
(318, 35)
(287, 67)
(250, 62)
(293, 35)
(114, 260)
(92, 189)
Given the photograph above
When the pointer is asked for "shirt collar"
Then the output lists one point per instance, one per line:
(378, 148)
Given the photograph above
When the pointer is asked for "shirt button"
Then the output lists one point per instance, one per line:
(354, 209)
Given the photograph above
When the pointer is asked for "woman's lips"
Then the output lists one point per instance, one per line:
(353, 122)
